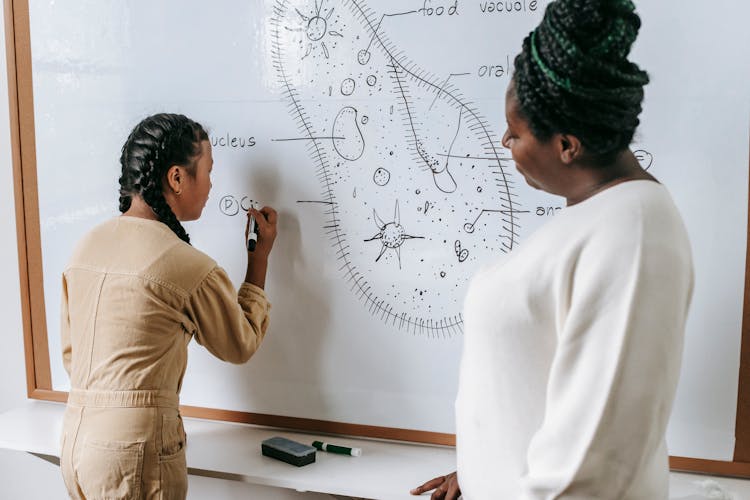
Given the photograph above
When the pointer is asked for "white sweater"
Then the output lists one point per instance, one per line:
(572, 353)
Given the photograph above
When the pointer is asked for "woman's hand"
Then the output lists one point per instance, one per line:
(446, 487)
(265, 222)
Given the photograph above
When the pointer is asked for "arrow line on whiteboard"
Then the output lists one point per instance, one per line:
(443, 86)
(469, 226)
(473, 157)
(381, 22)
(306, 138)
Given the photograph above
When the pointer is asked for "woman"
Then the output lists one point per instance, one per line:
(573, 342)
(134, 294)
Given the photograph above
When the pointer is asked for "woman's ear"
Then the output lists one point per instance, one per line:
(174, 179)
(569, 148)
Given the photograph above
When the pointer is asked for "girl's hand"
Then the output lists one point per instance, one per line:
(265, 222)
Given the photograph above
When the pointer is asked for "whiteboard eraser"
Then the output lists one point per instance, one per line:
(288, 451)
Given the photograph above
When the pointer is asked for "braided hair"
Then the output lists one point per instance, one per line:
(573, 75)
(155, 144)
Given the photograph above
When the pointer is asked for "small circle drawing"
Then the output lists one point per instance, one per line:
(363, 56)
(347, 86)
(229, 205)
(381, 177)
(316, 28)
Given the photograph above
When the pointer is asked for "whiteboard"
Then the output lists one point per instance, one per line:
(373, 128)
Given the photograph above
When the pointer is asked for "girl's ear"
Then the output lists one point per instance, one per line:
(569, 148)
(174, 179)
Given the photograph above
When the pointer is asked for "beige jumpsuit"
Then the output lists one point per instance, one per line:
(133, 296)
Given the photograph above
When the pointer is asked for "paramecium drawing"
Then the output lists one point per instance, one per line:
(416, 188)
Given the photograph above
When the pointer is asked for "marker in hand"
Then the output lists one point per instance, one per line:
(341, 450)
(252, 234)
(252, 230)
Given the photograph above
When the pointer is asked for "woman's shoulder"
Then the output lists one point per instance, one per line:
(636, 214)
(629, 204)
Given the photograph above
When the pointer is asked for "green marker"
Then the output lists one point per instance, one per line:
(341, 450)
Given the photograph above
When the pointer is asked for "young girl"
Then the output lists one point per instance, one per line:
(134, 294)
(573, 343)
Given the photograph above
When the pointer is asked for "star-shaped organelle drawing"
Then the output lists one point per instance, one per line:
(316, 27)
(392, 234)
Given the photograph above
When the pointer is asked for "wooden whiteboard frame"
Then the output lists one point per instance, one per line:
(38, 375)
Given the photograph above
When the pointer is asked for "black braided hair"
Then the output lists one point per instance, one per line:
(573, 76)
(154, 145)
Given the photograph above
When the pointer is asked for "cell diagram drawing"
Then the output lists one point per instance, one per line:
(417, 188)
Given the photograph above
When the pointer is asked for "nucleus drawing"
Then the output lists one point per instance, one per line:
(418, 188)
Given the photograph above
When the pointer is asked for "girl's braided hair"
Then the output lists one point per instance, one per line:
(154, 145)
(573, 75)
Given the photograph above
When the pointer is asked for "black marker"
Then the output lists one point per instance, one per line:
(252, 234)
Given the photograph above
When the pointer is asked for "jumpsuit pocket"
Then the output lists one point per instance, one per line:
(111, 469)
(172, 463)
(172, 436)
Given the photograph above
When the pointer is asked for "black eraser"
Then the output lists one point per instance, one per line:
(288, 451)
